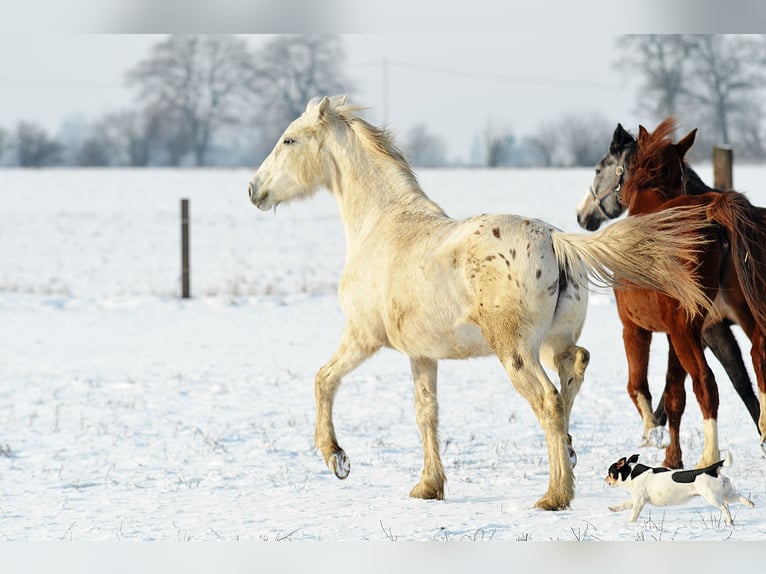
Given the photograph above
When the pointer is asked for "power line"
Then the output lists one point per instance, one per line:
(487, 75)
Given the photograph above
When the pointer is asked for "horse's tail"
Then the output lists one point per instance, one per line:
(746, 228)
(655, 251)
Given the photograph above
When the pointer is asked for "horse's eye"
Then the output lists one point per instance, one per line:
(288, 141)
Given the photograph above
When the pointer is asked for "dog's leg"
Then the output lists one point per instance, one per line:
(624, 506)
(638, 506)
(726, 513)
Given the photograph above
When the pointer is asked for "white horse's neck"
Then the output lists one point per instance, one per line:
(376, 193)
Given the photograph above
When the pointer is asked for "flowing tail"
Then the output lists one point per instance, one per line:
(746, 227)
(654, 251)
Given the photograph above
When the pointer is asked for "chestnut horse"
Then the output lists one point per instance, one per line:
(602, 203)
(730, 267)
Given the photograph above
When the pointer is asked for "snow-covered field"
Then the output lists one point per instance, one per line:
(127, 413)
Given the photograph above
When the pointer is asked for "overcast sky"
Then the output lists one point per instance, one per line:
(454, 84)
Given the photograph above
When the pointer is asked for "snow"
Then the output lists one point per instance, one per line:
(129, 414)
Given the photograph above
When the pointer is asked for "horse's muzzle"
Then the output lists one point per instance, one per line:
(258, 197)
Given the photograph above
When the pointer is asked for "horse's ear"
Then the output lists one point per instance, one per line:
(642, 133)
(688, 140)
(621, 139)
(324, 106)
(339, 100)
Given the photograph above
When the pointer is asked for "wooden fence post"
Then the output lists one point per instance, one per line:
(185, 279)
(722, 168)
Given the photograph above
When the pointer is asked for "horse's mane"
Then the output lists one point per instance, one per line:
(378, 141)
(649, 166)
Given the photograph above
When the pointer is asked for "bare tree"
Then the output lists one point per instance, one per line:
(497, 144)
(34, 147)
(135, 134)
(97, 150)
(198, 81)
(725, 72)
(3, 141)
(584, 137)
(661, 60)
(423, 148)
(289, 71)
(545, 142)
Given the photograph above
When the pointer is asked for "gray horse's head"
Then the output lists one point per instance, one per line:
(602, 200)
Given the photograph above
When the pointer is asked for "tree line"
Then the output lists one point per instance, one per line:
(215, 100)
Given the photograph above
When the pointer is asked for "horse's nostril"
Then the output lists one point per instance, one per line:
(250, 190)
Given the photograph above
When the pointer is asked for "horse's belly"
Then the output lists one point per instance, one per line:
(435, 336)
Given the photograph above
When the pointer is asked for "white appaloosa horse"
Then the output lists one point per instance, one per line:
(436, 288)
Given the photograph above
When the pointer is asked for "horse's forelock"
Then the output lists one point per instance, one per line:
(649, 159)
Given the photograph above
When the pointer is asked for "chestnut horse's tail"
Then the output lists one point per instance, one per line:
(655, 251)
(746, 228)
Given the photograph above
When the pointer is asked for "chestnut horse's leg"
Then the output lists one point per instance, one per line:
(723, 344)
(674, 399)
(686, 340)
(637, 342)
(758, 356)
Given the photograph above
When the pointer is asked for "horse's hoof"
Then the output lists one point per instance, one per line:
(427, 492)
(656, 438)
(339, 464)
(548, 503)
(572, 457)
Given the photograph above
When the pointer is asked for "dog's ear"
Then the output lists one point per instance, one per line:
(633, 459)
(620, 463)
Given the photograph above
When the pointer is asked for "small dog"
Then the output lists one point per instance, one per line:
(665, 487)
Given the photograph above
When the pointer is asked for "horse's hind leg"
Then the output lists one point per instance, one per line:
(351, 352)
(758, 354)
(721, 341)
(674, 399)
(571, 365)
(686, 340)
(531, 381)
(637, 342)
(431, 483)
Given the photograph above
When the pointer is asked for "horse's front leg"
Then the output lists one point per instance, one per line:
(432, 479)
(354, 348)
(637, 342)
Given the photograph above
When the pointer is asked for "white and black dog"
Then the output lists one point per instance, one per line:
(665, 487)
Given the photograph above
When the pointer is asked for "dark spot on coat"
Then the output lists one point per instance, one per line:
(518, 361)
(489, 258)
(513, 253)
(496, 232)
(553, 288)
(539, 272)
